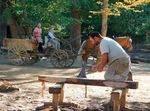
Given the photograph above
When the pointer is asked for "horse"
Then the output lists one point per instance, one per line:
(88, 48)
(125, 42)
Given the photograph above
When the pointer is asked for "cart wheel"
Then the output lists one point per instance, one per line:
(30, 58)
(4, 53)
(14, 58)
(58, 58)
(67, 46)
(49, 51)
(71, 58)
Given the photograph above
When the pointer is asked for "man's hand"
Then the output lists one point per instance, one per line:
(100, 68)
(94, 68)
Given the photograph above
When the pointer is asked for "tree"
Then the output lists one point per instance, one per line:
(79, 11)
(115, 9)
(104, 18)
(3, 6)
(64, 14)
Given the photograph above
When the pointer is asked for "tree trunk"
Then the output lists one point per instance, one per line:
(24, 15)
(76, 36)
(16, 30)
(2, 32)
(76, 29)
(2, 22)
(104, 19)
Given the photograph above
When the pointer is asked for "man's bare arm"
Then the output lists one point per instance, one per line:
(103, 62)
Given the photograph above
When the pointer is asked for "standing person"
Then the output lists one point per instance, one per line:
(113, 55)
(52, 39)
(37, 32)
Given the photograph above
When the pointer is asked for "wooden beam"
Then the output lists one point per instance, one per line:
(85, 81)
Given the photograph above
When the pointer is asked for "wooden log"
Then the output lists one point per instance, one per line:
(55, 101)
(56, 89)
(123, 98)
(58, 95)
(118, 98)
(61, 94)
(115, 98)
(85, 81)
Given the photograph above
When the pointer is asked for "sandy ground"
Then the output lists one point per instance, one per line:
(29, 97)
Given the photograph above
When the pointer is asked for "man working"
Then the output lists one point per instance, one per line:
(113, 55)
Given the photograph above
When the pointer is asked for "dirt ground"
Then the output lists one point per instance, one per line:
(29, 97)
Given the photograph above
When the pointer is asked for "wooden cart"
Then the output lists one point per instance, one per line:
(24, 51)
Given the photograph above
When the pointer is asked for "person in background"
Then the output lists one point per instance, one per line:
(52, 39)
(37, 33)
(113, 55)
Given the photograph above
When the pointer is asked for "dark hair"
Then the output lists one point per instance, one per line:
(95, 34)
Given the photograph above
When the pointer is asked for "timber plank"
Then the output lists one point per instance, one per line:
(85, 81)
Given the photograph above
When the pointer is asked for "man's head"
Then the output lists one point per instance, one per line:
(96, 37)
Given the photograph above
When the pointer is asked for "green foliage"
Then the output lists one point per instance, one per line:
(130, 23)
(54, 12)
(59, 14)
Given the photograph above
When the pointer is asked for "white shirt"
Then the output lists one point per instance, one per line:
(114, 49)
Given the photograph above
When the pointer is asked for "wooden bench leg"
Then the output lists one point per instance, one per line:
(61, 99)
(55, 102)
(123, 98)
(118, 99)
(115, 99)
(58, 95)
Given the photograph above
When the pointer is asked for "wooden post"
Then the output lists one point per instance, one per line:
(115, 98)
(55, 102)
(123, 98)
(61, 94)
(116, 102)
(42, 88)
(58, 95)
(85, 91)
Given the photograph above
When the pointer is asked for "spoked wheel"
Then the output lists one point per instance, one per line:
(21, 58)
(71, 58)
(58, 58)
(14, 58)
(4, 53)
(30, 58)
(66, 46)
(49, 51)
